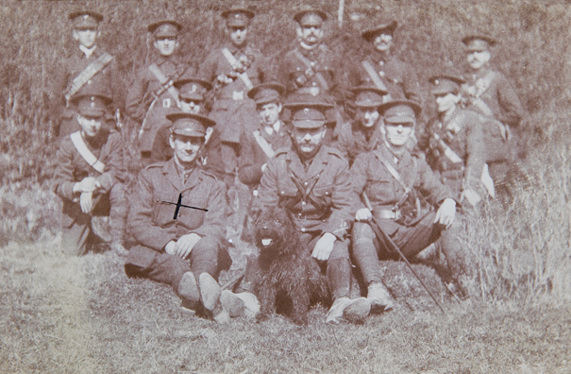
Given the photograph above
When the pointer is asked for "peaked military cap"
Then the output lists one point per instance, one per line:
(443, 84)
(85, 19)
(167, 28)
(478, 43)
(269, 92)
(310, 17)
(91, 104)
(368, 96)
(237, 17)
(309, 114)
(384, 28)
(400, 111)
(189, 124)
(192, 88)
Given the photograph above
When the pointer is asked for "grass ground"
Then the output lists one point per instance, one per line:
(83, 315)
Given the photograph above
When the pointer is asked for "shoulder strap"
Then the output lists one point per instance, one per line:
(86, 74)
(391, 170)
(448, 152)
(233, 62)
(87, 155)
(166, 83)
(312, 68)
(263, 143)
(375, 77)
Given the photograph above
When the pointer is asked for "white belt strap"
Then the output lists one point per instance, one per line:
(87, 155)
(164, 81)
(266, 147)
(375, 77)
(233, 62)
(86, 74)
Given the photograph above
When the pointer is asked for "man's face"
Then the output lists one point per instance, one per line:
(398, 134)
(190, 106)
(446, 102)
(269, 113)
(310, 34)
(237, 34)
(383, 42)
(86, 37)
(166, 45)
(308, 141)
(89, 125)
(186, 148)
(478, 59)
(368, 117)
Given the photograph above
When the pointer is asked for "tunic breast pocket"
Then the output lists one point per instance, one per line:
(324, 195)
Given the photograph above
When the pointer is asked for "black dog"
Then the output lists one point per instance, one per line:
(284, 277)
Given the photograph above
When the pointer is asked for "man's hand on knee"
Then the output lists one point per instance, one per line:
(363, 215)
(324, 247)
(86, 202)
(185, 244)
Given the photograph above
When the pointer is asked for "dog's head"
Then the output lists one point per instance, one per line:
(274, 231)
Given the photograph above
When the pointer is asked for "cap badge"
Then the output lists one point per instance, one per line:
(193, 88)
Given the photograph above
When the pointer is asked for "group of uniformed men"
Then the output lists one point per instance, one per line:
(237, 131)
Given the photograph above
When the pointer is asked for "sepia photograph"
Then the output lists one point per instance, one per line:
(285, 186)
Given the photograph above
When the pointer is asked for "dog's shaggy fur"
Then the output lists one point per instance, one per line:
(283, 276)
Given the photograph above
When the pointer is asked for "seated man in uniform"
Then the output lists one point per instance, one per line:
(312, 181)
(390, 179)
(177, 220)
(88, 176)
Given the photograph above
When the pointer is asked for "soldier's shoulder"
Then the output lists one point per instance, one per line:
(334, 153)
(207, 175)
(281, 152)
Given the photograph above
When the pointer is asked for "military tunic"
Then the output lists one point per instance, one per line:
(355, 139)
(321, 201)
(463, 135)
(148, 101)
(314, 72)
(411, 231)
(397, 76)
(252, 156)
(73, 168)
(74, 64)
(153, 226)
(497, 94)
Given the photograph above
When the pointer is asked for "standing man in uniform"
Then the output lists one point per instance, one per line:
(382, 69)
(454, 141)
(192, 93)
(177, 221)
(234, 70)
(88, 176)
(391, 179)
(312, 181)
(88, 64)
(152, 94)
(362, 134)
(489, 93)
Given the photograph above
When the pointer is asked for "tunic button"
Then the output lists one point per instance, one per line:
(303, 203)
(305, 183)
(303, 229)
(282, 192)
(314, 83)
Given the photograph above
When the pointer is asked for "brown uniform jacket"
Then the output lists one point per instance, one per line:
(321, 77)
(397, 76)
(252, 156)
(151, 221)
(142, 93)
(493, 88)
(320, 198)
(353, 141)
(232, 110)
(370, 175)
(72, 168)
(74, 64)
(464, 135)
